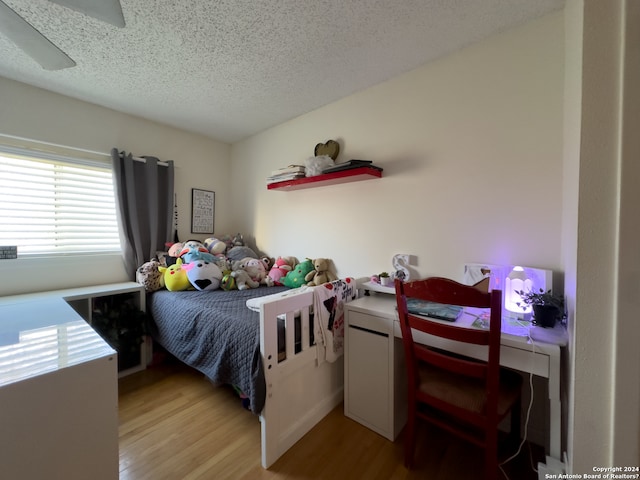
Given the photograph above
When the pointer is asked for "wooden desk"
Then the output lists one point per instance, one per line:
(374, 395)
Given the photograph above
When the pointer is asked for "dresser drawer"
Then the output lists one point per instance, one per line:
(370, 322)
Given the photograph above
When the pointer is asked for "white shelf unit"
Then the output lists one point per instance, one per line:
(84, 300)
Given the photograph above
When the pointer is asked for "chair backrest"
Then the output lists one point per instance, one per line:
(446, 291)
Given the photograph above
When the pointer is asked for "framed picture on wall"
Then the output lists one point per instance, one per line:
(203, 206)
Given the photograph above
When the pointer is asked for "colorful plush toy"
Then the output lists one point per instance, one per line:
(223, 263)
(257, 268)
(173, 253)
(193, 251)
(215, 246)
(203, 275)
(320, 273)
(227, 240)
(228, 282)
(242, 277)
(238, 240)
(281, 267)
(175, 278)
(296, 277)
(149, 276)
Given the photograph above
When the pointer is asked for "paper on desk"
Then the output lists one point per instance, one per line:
(510, 326)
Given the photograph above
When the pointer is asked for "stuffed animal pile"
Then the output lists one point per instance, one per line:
(226, 262)
(279, 270)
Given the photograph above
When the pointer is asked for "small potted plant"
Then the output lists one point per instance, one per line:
(385, 279)
(547, 307)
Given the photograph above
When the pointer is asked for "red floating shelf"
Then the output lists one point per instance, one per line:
(334, 178)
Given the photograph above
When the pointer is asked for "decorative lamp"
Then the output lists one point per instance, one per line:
(516, 280)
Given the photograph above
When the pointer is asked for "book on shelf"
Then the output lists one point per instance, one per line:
(284, 177)
(289, 169)
(351, 164)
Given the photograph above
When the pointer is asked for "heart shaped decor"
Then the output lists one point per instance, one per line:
(331, 148)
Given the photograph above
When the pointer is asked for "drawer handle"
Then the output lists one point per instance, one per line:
(369, 331)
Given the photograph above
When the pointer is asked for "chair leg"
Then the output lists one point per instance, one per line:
(410, 438)
(491, 455)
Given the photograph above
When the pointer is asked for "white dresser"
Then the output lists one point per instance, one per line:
(58, 393)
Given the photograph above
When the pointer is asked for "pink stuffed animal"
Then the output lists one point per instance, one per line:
(280, 268)
(256, 268)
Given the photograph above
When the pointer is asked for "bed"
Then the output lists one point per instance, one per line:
(282, 358)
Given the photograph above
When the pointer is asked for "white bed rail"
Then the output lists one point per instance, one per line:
(300, 391)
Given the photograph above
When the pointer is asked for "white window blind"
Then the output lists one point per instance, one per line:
(56, 205)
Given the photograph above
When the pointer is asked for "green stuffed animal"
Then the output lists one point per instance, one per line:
(296, 277)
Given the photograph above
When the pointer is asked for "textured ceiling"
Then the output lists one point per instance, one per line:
(231, 68)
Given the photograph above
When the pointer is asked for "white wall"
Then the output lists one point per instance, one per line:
(43, 116)
(471, 147)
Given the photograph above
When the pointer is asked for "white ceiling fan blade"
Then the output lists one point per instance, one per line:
(27, 38)
(108, 11)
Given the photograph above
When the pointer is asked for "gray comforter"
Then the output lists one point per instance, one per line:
(214, 332)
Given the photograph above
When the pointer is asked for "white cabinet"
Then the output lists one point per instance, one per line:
(375, 376)
(97, 300)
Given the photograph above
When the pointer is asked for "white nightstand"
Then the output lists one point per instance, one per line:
(375, 392)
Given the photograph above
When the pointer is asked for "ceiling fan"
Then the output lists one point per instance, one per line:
(39, 47)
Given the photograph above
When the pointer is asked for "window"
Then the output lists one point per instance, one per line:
(56, 205)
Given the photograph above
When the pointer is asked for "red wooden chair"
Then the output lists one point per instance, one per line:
(465, 396)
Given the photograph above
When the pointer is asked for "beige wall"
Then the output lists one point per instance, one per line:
(570, 188)
(43, 116)
(603, 48)
(593, 320)
(626, 365)
(471, 147)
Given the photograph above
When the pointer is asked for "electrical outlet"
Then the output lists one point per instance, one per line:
(8, 252)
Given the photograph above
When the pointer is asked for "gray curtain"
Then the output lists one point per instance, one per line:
(144, 199)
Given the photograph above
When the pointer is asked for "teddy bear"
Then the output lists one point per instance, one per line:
(242, 277)
(320, 273)
(279, 270)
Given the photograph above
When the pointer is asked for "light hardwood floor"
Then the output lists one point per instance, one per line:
(175, 425)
